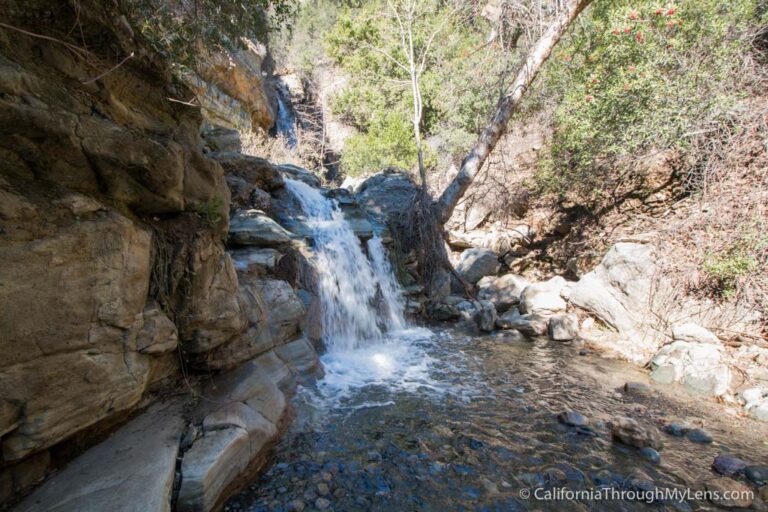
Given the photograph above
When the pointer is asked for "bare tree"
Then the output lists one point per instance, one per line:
(474, 161)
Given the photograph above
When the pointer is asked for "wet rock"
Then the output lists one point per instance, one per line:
(728, 465)
(251, 169)
(485, 317)
(374, 456)
(573, 418)
(693, 333)
(676, 429)
(543, 297)
(698, 435)
(650, 454)
(504, 291)
(631, 433)
(297, 173)
(638, 389)
(698, 366)
(729, 493)
(757, 474)
(255, 228)
(299, 355)
(322, 503)
(477, 263)
(323, 489)
(564, 327)
(530, 325)
(443, 312)
(253, 259)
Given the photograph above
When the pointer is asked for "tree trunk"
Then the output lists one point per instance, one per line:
(474, 161)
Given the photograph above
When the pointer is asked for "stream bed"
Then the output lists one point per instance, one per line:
(437, 420)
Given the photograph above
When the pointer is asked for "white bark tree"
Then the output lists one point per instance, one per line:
(474, 161)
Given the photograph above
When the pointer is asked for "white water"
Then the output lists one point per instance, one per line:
(367, 338)
(285, 124)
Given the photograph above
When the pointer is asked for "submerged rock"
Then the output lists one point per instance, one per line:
(650, 454)
(698, 366)
(698, 435)
(757, 474)
(630, 432)
(729, 493)
(573, 418)
(485, 317)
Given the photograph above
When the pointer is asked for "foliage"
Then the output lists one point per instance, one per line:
(210, 210)
(726, 270)
(459, 85)
(634, 77)
(180, 29)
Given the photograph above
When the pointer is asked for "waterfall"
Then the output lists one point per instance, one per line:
(350, 285)
(285, 124)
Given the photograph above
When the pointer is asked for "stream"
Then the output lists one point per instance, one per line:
(410, 417)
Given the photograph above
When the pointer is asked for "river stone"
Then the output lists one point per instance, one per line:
(504, 291)
(573, 418)
(543, 297)
(728, 465)
(757, 474)
(677, 429)
(630, 432)
(698, 435)
(131, 470)
(530, 325)
(698, 366)
(693, 333)
(475, 264)
(255, 228)
(638, 388)
(485, 317)
(738, 493)
(650, 454)
(563, 327)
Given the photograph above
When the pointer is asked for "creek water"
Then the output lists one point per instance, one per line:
(285, 122)
(411, 418)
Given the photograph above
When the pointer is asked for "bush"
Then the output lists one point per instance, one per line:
(725, 271)
(635, 77)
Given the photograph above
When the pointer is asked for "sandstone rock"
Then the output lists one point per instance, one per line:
(729, 493)
(564, 327)
(530, 325)
(19, 478)
(485, 317)
(630, 432)
(252, 169)
(295, 172)
(504, 291)
(693, 333)
(213, 462)
(699, 367)
(131, 470)
(477, 263)
(158, 335)
(543, 297)
(254, 227)
(299, 355)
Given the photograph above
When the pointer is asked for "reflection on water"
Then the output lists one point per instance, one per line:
(445, 422)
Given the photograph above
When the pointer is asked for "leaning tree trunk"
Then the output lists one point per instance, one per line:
(474, 161)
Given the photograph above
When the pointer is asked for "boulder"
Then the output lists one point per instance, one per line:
(631, 433)
(563, 327)
(252, 169)
(387, 195)
(299, 355)
(693, 333)
(259, 260)
(477, 263)
(485, 316)
(255, 228)
(543, 297)
(698, 366)
(284, 310)
(618, 292)
(504, 291)
(158, 334)
(297, 173)
(530, 325)
(133, 469)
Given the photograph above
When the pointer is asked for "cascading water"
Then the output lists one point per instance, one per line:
(285, 124)
(366, 336)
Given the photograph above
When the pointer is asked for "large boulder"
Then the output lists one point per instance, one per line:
(297, 173)
(700, 367)
(252, 169)
(388, 194)
(255, 228)
(477, 263)
(543, 297)
(504, 291)
(563, 327)
(693, 333)
(530, 325)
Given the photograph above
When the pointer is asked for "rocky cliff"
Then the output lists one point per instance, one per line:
(116, 289)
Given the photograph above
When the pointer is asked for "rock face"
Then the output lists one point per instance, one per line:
(543, 297)
(477, 263)
(504, 291)
(699, 367)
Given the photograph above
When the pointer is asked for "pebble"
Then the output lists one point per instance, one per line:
(676, 429)
(698, 435)
(573, 418)
(322, 503)
(322, 489)
(757, 474)
(374, 456)
(728, 465)
(339, 493)
(326, 476)
(295, 506)
(638, 388)
(650, 454)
